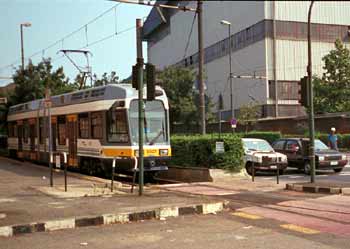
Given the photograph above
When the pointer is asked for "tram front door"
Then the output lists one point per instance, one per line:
(72, 130)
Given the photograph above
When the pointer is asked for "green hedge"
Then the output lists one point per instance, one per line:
(343, 139)
(269, 136)
(199, 151)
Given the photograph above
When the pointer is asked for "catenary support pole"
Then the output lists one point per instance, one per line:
(141, 102)
(200, 66)
(310, 97)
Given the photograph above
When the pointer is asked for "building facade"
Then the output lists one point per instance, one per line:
(269, 44)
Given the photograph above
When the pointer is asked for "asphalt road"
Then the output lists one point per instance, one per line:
(294, 175)
(221, 231)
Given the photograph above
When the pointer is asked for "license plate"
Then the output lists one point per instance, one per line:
(334, 162)
(273, 167)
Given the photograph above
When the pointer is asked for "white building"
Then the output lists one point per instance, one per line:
(256, 48)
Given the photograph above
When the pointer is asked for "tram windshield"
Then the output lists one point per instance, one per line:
(155, 123)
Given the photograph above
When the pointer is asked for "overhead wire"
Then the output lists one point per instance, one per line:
(65, 37)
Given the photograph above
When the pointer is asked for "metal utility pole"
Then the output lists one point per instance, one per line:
(27, 24)
(200, 66)
(310, 97)
(140, 62)
(224, 22)
(274, 49)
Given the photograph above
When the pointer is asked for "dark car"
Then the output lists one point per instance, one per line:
(296, 150)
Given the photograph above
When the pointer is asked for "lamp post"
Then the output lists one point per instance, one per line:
(224, 22)
(26, 24)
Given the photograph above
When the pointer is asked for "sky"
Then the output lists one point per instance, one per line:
(53, 20)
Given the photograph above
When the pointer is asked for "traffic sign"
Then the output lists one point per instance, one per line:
(233, 122)
(219, 147)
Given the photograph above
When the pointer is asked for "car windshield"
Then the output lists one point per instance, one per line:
(319, 145)
(257, 145)
(155, 123)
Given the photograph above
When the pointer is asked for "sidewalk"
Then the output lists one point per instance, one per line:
(28, 204)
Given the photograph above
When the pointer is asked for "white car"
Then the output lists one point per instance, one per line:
(259, 154)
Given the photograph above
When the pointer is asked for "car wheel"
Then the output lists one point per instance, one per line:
(338, 170)
(249, 168)
(307, 168)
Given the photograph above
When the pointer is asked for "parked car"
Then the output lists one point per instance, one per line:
(260, 154)
(296, 150)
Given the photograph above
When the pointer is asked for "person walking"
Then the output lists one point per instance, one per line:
(333, 140)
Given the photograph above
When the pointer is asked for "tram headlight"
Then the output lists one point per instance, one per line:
(163, 152)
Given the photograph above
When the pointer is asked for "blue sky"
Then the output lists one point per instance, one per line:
(54, 19)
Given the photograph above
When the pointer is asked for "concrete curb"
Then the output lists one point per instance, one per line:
(317, 189)
(107, 219)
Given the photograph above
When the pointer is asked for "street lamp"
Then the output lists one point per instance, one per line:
(227, 23)
(26, 24)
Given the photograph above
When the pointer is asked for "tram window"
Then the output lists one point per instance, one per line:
(61, 124)
(11, 131)
(41, 130)
(96, 125)
(25, 131)
(15, 131)
(117, 127)
(83, 125)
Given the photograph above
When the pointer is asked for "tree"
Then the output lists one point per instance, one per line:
(248, 115)
(183, 100)
(332, 91)
(106, 79)
(32, 81)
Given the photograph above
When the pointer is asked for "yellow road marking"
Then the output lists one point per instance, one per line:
(300, 229)
(247, 216)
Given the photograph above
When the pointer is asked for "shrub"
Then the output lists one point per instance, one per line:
(269, 136)
(199, 151)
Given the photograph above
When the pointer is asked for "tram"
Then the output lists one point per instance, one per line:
(93, 127)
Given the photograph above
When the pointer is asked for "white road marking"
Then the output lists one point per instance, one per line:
(2, 200)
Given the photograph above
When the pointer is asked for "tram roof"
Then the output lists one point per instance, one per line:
(108, 92)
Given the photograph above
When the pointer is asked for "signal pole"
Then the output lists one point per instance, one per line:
(310, 97)
(141, 102)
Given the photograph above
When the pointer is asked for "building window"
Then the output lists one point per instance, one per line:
(96, 125)
(61, 124)
(83, 125)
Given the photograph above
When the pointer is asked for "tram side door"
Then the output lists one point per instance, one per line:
(72, 130)
(32, 132)
(20, 138)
